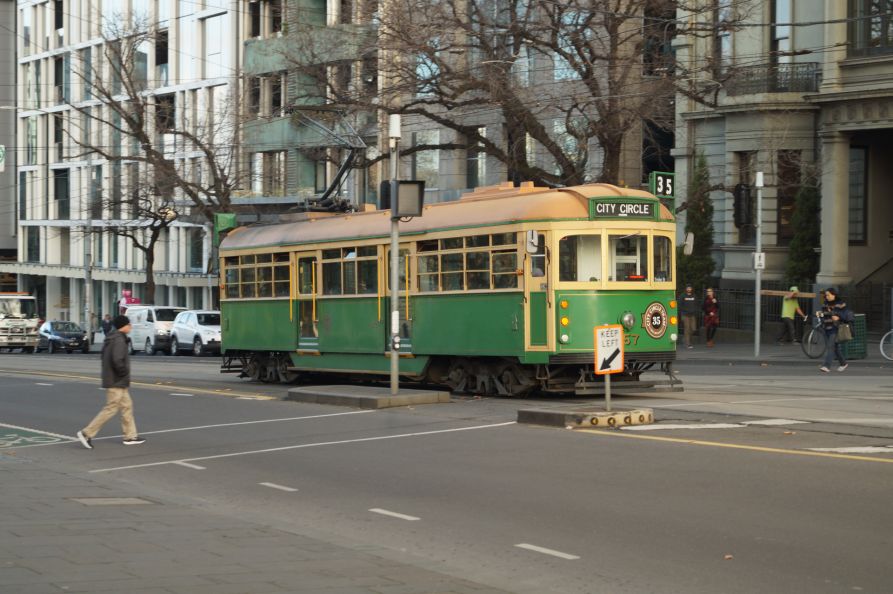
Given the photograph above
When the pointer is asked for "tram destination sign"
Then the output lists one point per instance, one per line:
(603, 209)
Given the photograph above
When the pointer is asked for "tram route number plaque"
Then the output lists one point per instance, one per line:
(608, 349)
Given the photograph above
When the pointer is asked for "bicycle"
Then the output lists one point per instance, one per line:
(815, 342)
(887, 346)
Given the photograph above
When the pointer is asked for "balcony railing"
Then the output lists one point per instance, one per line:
(774, 78)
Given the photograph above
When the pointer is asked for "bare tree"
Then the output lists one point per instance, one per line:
(569, 81)
(164, 163)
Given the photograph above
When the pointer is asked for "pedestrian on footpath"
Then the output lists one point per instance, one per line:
(106, 325)
(711, 316)
(688, 309)
(789, 308)
(116, 381)
(833, 313)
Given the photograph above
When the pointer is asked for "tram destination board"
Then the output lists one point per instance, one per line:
(608, 349)
(604, 209)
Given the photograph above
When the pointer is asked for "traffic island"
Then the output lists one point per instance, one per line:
(367, 397)
(585, 419)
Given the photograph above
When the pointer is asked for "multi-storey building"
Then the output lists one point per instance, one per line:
(802, 87)
(70, 200)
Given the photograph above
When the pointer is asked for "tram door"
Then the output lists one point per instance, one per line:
(308, 338)
(537, 291)
(405, 318)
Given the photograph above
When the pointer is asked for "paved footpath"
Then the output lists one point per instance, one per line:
(64, 531)
(771, 353)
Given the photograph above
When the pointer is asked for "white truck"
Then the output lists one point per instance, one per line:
(18, 322)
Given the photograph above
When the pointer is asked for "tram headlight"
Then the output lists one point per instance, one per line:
(673, 337)
(673, 320)
(564, 338)
(565, 320)
(628, 320)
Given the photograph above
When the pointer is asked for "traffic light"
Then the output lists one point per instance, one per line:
(742, 206)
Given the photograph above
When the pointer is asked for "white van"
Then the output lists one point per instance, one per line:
(151, 327)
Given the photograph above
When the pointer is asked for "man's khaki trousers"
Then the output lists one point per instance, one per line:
(116, 400)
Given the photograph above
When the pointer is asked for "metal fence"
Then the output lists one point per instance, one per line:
(871, 299)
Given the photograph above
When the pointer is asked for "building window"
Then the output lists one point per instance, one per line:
(161, 58)
(254, 87)
(254, 29)
(165, 112)
(33, 244)
(870, 28)
(426, 163)
(788, 183)
(858, 205)
(574, 24)
(747, 166)
(196, 250)
(722, 42)
(31, 141)
(214, 32)
(476, 163)
(61, 194)
(660, 27)
(781, 32)
(268, 173)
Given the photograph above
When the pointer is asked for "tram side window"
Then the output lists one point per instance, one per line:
(580, 258)
(350, 271)
(469, 263)
(663, 259)
(231, 276)
(538, 259)
(628, 258)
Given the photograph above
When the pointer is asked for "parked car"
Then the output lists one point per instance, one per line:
(198, 331)
(59, 335)
(151, 327)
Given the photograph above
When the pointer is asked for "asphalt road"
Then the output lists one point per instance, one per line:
(726, 493)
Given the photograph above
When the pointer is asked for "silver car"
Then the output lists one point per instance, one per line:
(196, 331)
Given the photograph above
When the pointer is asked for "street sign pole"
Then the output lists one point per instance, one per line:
(394, 134)
(758, 265)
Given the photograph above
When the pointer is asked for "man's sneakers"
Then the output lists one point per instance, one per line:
(843, 367)
(824, 369)
(85, 441)
(134, 441)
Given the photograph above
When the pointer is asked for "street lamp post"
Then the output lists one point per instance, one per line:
(394, 136)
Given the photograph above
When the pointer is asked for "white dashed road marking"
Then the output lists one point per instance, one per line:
(857, 450)
(40, 384)
(677, 426)
(546, 551)
(761, 423)
(180, 394)
(192, 466)
(774, 422)
(384, 512)
(279, 487)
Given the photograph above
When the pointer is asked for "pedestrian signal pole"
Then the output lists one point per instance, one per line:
(394, 135)
(759, 262)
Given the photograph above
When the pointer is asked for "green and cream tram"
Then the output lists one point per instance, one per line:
(499, 291)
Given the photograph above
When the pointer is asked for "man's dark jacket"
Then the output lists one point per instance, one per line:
(115, 361)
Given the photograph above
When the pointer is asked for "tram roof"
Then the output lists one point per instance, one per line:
(492, 205)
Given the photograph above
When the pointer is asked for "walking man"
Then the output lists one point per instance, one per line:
(689, 309)
(116, 381)
(789, 308)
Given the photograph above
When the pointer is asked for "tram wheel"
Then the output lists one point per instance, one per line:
(285, 376)
(253, 368)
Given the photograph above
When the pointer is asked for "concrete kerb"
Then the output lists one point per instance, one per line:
(585, 419)
(365, 397)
